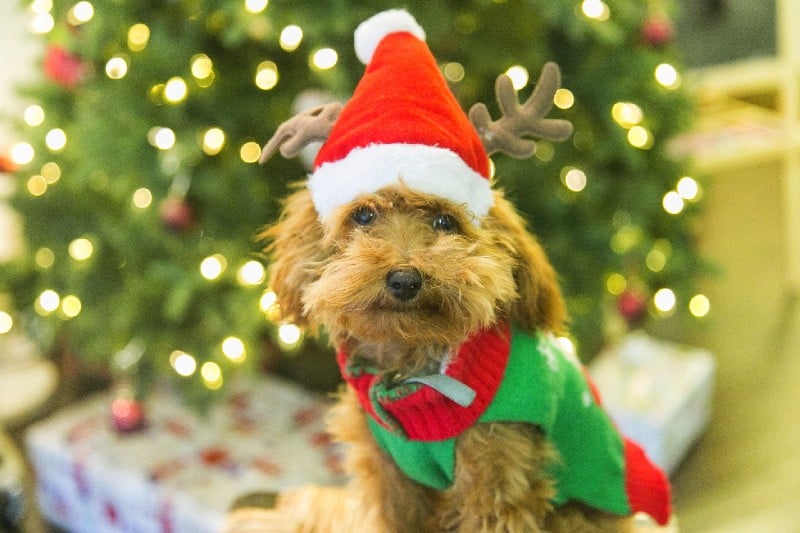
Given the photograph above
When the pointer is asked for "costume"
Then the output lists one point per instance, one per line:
(515, 377)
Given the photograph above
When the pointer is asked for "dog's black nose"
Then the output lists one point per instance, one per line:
(404, 284)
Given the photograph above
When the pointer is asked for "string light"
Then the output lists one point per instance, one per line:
(672, 203)
(324, 59)
(544, 151)
(138, 37)
(212, 375)
(616, 284)
(201, 66)
(41, 6)
(213, 141)
(80, 13)
(51, 172)
(80, 249)
(289, 335)
(688, 188)
(454, 71)
(291, 37)
(44, 258)
(574, 179)
(519, 76)
(664, 301)
(626, 238)
(117, 67)
(142, 198)
(175, 90)
(33, 115)
(71, 306)
(596, 9)
(267, 300)
(233, 348)
(250, 152)
(42, 23)
(699, 305)
(55, 139)
(640, 137)
(6, 322)
(564, 99)
(47, 302)
(22, 153)
(37, 185)
(213, 266)
(161, 138)
(183, 363)
(255, 6)
(251, 273)
(627, 114)
(667, 76)
(658, 255)
(266, 75)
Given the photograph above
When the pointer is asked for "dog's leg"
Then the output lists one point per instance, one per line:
(390, 500)
(500, 484)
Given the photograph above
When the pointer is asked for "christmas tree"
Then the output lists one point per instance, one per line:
(141, 198)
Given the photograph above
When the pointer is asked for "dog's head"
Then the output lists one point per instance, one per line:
(397, 237)
(400, 266)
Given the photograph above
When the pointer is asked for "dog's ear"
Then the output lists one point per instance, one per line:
(295, 248)
(540, 304)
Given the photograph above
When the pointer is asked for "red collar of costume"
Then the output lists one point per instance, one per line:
(434, 408)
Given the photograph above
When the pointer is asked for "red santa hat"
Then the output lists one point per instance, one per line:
(403, 125)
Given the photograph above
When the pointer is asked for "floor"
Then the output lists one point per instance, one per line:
(744, 474)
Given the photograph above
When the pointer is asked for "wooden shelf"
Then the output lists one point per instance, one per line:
(732, 131)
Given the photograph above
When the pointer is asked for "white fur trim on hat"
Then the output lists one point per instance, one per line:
(369, 33)
(423, 168)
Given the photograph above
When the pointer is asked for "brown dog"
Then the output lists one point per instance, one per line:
(437, 300)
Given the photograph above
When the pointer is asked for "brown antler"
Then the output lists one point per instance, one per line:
(306, 127)
(505, 134)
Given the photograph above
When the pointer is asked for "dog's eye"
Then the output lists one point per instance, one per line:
(364, 215)
(444, 222)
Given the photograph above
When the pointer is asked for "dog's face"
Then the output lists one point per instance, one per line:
(398, 266)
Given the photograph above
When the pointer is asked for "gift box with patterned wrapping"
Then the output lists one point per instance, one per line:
(181, 472)
(658, 393)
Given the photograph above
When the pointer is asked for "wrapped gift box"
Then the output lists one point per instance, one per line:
(182, 472)
(658, 393)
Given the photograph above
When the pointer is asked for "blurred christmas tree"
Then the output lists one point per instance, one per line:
(141, 199)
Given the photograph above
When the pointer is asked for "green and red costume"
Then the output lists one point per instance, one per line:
(500, 375)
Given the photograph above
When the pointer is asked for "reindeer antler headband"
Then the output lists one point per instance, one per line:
(403, 125)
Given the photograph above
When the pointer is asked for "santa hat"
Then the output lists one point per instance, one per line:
(403, 125)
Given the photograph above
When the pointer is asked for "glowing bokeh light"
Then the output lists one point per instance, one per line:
(564, 99)
(116, 67)
(519, 76)
(664, 301)
(251, 273)
(324, 59)
(699, 305)
(233, 348)
(291, 37)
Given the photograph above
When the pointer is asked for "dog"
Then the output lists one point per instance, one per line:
(444, 311)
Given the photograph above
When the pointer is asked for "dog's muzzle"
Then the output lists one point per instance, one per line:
(404, 284)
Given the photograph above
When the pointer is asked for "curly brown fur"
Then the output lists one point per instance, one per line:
(471, 276)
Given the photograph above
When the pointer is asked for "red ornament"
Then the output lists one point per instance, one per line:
(176, 214)
(632, 306)
(127, 414)
(658, 31)
(64, 68)
(6, 164)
